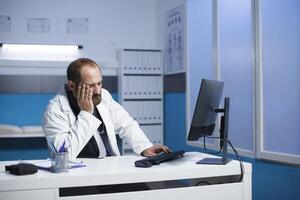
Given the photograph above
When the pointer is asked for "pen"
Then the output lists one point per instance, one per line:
(62, 148)
(53, 147)
(76, 166)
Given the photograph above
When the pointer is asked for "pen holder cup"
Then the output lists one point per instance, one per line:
(59, 162)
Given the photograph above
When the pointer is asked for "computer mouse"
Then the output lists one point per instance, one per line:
(143, 163)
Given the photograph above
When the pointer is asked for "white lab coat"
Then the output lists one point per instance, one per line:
(60, 124)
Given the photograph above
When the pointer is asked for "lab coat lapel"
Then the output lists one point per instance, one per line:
(109, 127)
(66, 107)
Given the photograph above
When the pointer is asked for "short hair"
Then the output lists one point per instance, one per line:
(74, 69)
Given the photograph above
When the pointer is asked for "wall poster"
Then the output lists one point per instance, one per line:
(174, 47)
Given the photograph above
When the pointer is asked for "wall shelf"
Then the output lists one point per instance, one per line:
(42, 67)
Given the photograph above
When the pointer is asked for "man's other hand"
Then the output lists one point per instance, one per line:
(154, 150)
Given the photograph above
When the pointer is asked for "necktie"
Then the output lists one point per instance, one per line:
(103, 134)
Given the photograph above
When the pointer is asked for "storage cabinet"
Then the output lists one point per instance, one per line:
(140, 90)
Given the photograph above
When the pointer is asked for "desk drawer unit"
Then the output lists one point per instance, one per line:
(232, 191)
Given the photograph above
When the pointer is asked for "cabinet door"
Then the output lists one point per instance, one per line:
(44, 194)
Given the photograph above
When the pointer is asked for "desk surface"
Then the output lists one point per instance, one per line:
(117, 170)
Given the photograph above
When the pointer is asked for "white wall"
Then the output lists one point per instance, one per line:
(112, 24)
(162, 7)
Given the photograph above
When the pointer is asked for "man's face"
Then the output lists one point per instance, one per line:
(91, 76)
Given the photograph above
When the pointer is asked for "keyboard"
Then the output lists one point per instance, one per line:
(156, 160)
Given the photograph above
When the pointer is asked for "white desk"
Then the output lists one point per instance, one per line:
(117, 170)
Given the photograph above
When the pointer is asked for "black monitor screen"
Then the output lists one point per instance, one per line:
(204, 118)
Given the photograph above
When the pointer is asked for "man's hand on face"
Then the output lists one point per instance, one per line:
(154, 150)
(85, 98)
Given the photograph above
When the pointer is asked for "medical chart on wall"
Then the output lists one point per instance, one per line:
(4, 24)
(174, 47)
(78, 25)
(38, 25)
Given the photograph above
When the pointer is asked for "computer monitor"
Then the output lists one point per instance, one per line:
(205, 115)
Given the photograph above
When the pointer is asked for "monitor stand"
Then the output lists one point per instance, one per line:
(213, 161)
(223, 137)
(217, 161)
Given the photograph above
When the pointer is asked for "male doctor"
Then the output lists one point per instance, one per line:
(84, 118)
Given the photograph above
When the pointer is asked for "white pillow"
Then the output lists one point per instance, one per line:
(33, 130)
(8, 130)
